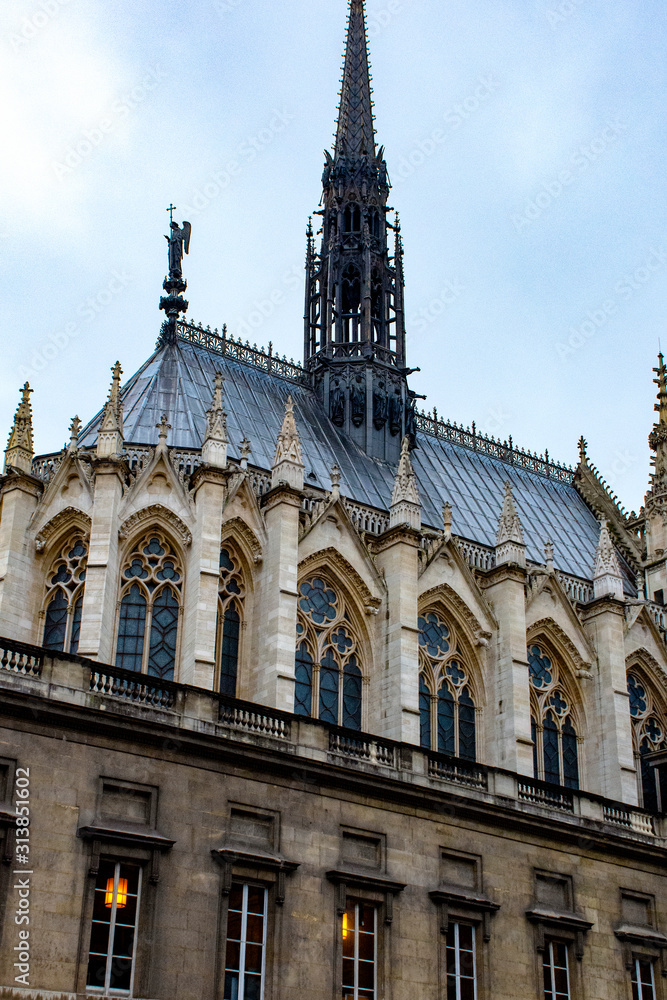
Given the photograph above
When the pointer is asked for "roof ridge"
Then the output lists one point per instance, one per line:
(237, 350)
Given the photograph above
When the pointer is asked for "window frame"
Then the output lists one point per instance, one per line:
(638, 960)
(107, 990)
(353, 901)
(246, 885)
(225, 599)
(456, 925)
(541, 706)
(549, 944)
(60, 553)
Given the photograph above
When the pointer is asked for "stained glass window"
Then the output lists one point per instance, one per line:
(328, 671)
(446, 707)
(64, 597)
(555, 740)
(648, 734)
(150, 604)
(231, 601)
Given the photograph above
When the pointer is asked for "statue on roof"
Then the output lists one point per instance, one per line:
(179, 244)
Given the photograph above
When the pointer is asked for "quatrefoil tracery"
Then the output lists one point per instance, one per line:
(547, 693)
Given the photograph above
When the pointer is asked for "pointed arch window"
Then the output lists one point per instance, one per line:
(231, 598)
(352, 219)
(63, 604)
(446, 705)
(555, 739)
(150, 608)
(648, 735)
(328, 666)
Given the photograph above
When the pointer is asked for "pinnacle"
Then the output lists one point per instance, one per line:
(356, 132)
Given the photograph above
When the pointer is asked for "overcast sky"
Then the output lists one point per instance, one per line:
(526, 144)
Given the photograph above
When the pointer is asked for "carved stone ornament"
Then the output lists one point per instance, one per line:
(345, 572)
(70, 517)
(156, 512)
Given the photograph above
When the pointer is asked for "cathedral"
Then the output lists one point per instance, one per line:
(308, 693)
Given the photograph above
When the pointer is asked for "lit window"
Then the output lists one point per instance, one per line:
(245, 954)
(64, 597)
(327, 664)
(359, 951)
(461, 963)
(152, 582)
(113, 937)
(556, 971)
(643, 982)
(446, 706)
(555, 740)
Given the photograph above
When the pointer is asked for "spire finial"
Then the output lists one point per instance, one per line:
(173, 303)
(355, 135)
(510, 546)
(658, 437)
(405, 505)
(607, 578)
(583, 445)
(110, 436)
(214, 448)
(74, 431)
(20, 448)
(288, 462)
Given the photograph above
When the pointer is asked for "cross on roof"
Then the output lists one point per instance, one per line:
(171, 210)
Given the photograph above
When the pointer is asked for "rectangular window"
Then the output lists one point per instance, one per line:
(113, 937)
(461, 963)
(359, 951)
(246, 943)
(643, 983)
(556, 972)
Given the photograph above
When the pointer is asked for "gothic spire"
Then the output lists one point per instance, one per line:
(658, 436)
(20, 449)
(607, 580)
(110, 437)
(405, 505)
(214, 449)
(510, 546)
(288, 463)
(355, 135)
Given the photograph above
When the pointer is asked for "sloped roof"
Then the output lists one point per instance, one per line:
(178, 380)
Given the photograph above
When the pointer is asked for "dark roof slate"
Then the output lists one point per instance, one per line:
(178, 380)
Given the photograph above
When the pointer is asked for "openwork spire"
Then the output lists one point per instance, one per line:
(356, 133)
(607, 578)
(288, 464)
(214, 449)
(20, 449)
(405, 504)
(510, 546)
(658, 436)
(110, 436)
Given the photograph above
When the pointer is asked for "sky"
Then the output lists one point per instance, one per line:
(525, 141)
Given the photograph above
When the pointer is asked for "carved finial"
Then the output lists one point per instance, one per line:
(640, 584)
(607, 579)
(173, 303)
(583, 445)
(288, 462)
(335, 481)
(74, 431)
(447, 520)
(510, 546)
(20, 448)
(244, 451)
(658, 437)
(163, 427)
(110, 435)
(405, 505)
(214, 448)
(549, 556)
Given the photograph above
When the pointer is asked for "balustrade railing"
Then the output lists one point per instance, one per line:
(457, 771)
(19, 658)
(362, 747)
(578, 590)
(542, 794)
(235, 349)
(139, 689)
(477, 556)
(630, 819)
(254, 719)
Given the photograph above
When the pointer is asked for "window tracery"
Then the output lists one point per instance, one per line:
(231, 598)
(64, 597)
(150, 604)
(328, 670)
(446, 706)
(648, 735)
(555, 740)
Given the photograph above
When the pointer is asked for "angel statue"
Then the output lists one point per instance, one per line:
(179, 243)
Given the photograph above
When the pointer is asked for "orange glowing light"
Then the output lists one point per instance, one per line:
(121, 895)
(344, 926)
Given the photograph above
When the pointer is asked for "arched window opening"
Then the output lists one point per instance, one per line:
(150, 605)
(377, 305)
(446, 706)
(374, 224)
(328, 669)
(64, 597)
(352, 219)
(555, 741)
(231, 600)
(648, 735)
(351, 304)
